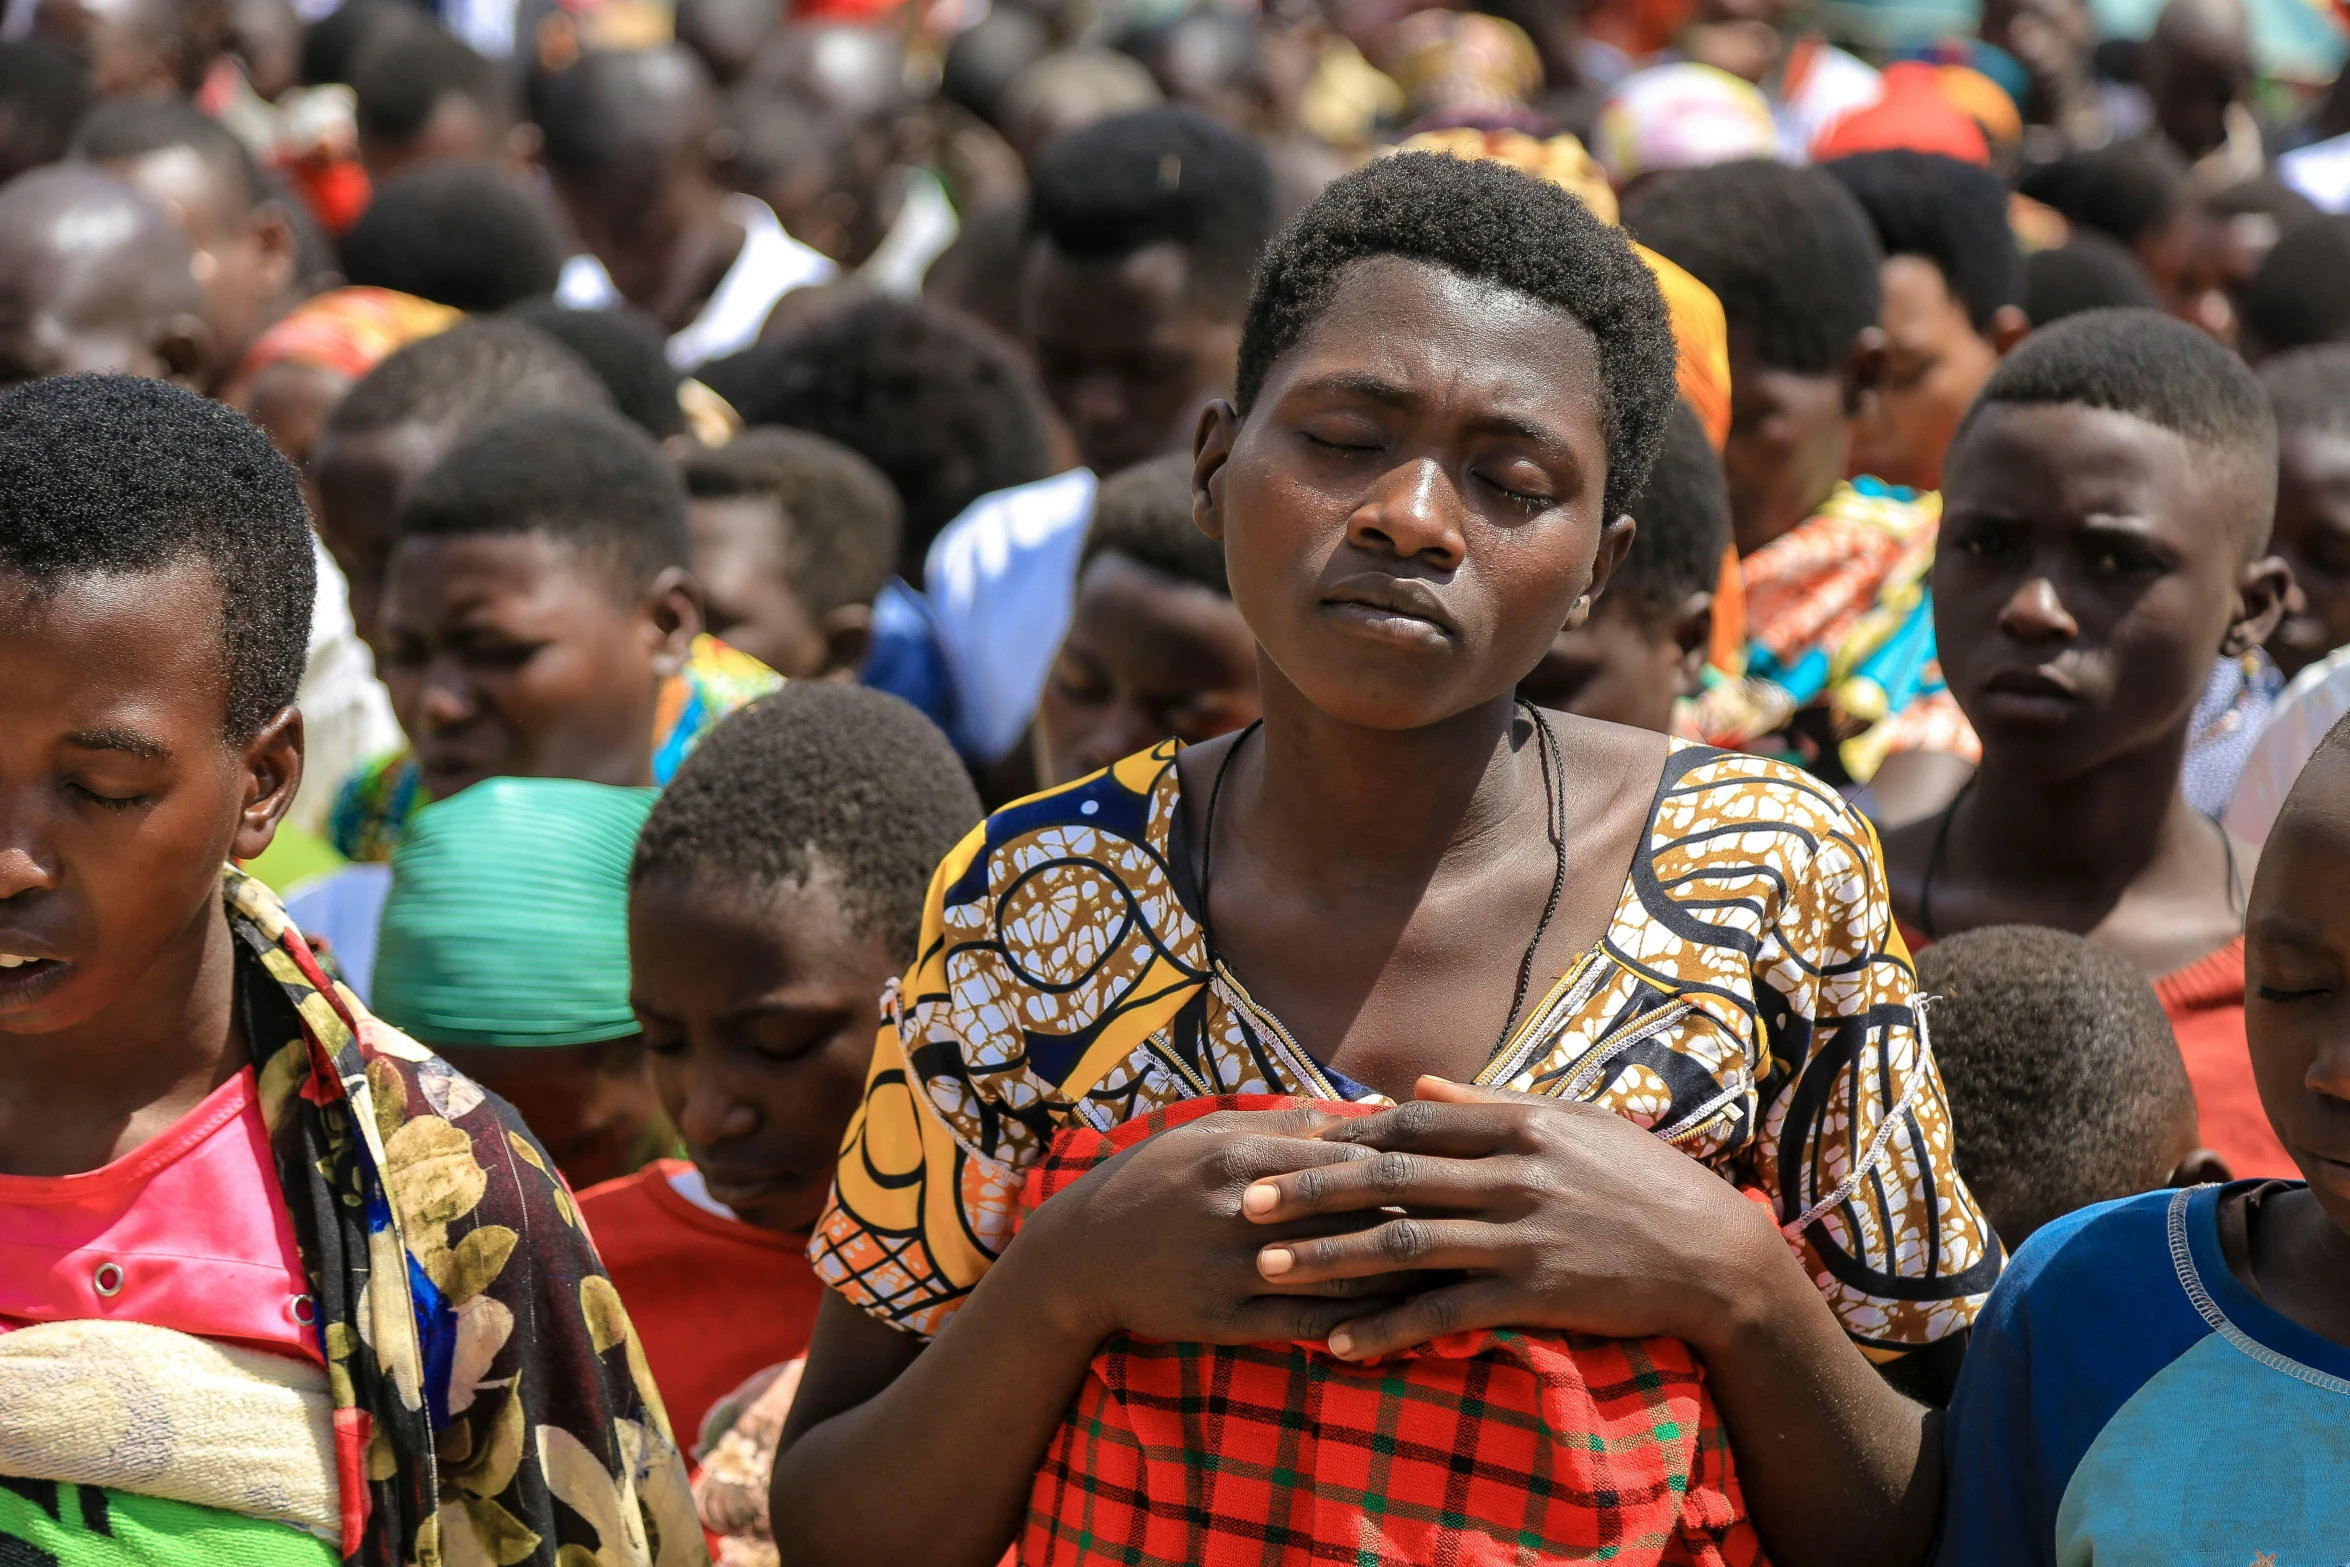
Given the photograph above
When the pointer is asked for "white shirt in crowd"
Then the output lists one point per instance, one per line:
(771, 265)
(2315, 700)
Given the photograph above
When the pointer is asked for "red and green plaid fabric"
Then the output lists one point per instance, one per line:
(1481, 1448)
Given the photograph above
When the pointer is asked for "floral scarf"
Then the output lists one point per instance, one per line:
(481, 1365)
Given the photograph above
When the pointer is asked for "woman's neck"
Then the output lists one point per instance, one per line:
(1359, 808)
(83, 1096)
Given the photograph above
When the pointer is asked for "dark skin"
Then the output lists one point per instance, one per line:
(2297, 1022)
(2313, 537)
(742, 559)
(1410, 508)
(2197, 63)
(291, 401)
(1148, 656)
(1935, 363)
(1791, 434)
(359, 478)
(1128, 352)
(94, 279)
(246, 254)
(592, 1106)
(120, 799)
(2091, 566)
(134, 48)
(758, 1005)
(514, 655)
(655, 215)
(1628, 663)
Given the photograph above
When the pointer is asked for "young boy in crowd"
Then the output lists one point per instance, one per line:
(390, 429)
(793, 538)
(2105, 537)
(1953, 291)
(94, 278)
(248, 251)
(2309, 390)
(467, 235)
(775, 893)
(503, 949)
(1640, 652)
(1454, 380)
(2066, 1087)
(2162, 1379)
(281, 1287)
(1155, 648)
(1839, 671)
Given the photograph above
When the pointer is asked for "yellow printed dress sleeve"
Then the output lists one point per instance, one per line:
(1052, 959)
(1855, 1146)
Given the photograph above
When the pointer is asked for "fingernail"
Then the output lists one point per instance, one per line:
(1263, 1197)
(1342, 1343)
(1274, 1261)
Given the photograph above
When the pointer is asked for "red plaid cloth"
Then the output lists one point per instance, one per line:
(1481, 1448)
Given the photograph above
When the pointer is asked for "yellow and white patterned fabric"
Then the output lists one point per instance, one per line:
(1751, 1003)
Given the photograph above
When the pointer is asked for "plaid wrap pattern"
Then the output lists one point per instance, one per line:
(1481, 1448)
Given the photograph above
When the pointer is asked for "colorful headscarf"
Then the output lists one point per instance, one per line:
(348, 330)
(1681, 116)
(1914, 115)
(1460, 60)
(507, 922)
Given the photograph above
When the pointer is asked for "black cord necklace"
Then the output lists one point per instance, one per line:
(1554, 796)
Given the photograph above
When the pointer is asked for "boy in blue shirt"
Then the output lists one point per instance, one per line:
(2166, 1379)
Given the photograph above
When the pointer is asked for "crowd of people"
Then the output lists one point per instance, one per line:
(1163, 783)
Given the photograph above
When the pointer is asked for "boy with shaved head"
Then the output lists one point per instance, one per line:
(94, 277)
(632, 143)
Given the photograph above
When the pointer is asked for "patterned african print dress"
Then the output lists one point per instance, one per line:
(1750, 1003)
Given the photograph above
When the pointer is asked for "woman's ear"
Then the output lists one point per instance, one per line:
(2261, 594)
(673, 618)
(1615, 542)
(273, 773)
(1211, 447)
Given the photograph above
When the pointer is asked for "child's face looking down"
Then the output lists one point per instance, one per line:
(119, 799)
(2090, 568)
(2297, 973)
(1415, 503)
(513, 655)
(1148, 656)
(759, 1007)
(2313, 536)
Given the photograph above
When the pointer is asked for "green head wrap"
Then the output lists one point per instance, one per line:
(507, 922)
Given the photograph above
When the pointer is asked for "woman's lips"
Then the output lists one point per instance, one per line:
(1401, 609)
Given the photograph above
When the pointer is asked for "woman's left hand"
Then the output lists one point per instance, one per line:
(1557, 1215)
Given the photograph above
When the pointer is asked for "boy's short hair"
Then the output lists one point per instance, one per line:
(45, 94)
(1951, 213)
(1485, 221)
(1683, 518)
(2065, 1083)
(628, 352)
(2309, 389)
(2151, 367)
(115, 474)
(818, 775)
(2090, 271)
(583, 477)
(2125, 189)
(459, 234)
(1789, 252)
(2301, 294)
(937, 402)
(124, 128)
(1159, 176)
(840, 517)
(402, 83)
(1144, 514)
(473, 371)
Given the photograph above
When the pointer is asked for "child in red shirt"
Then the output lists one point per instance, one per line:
(777, 890)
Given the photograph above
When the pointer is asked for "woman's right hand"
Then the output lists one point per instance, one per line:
(1153, 1242)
